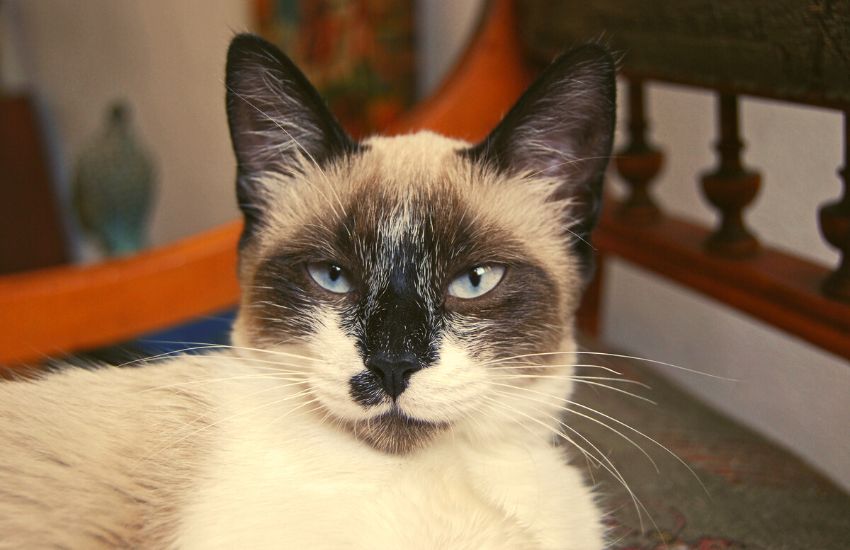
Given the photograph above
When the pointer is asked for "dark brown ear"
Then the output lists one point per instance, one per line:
(275, 117)
(562, 127)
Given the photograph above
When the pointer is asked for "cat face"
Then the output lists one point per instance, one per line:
(413, 269)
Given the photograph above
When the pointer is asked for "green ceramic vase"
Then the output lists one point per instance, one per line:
(114, 186)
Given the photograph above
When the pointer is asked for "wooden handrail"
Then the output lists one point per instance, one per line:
(59, 310)
(775, 287)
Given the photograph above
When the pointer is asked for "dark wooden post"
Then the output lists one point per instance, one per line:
(638, 162)
(835, 227)
(731, 187)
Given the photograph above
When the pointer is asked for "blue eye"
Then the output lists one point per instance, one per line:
(476, 282)
(330, 276)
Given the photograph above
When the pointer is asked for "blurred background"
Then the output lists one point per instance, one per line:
(90, 82)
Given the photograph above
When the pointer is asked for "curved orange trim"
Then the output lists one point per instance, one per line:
(59, 310)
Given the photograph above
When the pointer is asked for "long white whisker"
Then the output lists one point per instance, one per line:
(610, 468)
(582, 415)
(550, 366)
(662, 363)
(206, 345)
(618, 355)
(578, 381)
(573, 377)
(264, 376)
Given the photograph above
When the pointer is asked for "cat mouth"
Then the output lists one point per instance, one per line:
(396, 432)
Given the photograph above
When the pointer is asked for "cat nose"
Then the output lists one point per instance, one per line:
(393, 370)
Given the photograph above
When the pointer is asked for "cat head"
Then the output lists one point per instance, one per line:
(415, 270)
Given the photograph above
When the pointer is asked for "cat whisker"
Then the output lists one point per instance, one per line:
(617, 421)
(573, 377)
(254, 361)
(660, 363)
(606, 354)
(605, 462)
(589, 383)
(215, 346)
(297, 369)
(582, 415)
(166, 354)
(225, 379)
(616, 389)
(550, 366)
(505, 412)
(501, 360)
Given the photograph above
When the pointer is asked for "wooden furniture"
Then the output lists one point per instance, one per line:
(68, 309)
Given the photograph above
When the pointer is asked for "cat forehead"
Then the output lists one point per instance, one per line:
(413, 159)
(399, 184)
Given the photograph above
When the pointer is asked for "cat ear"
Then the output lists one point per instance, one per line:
(562, 127)
(277, 119)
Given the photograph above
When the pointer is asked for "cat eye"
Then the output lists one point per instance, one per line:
(477, 281)
(330, 276)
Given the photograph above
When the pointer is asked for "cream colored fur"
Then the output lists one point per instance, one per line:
(248, 447)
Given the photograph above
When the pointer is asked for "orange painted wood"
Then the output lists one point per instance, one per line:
(483, 85)
(59, 310)
(774, 287)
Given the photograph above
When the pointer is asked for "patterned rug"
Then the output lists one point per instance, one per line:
(749, 493)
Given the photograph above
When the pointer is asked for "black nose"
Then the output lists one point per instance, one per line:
(393, 370)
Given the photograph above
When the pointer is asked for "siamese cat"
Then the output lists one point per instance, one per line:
(402, 353)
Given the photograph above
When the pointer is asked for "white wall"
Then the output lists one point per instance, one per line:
(443, 31)
(167, 59)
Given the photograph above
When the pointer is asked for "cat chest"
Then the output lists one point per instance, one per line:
(326, 501)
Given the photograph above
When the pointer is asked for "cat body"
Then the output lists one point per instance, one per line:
(400, 362)
(263, 477)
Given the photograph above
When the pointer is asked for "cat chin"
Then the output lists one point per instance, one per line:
(394, 432)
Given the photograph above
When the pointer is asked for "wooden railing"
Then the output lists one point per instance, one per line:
(729, 263)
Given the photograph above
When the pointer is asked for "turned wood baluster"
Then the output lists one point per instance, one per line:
(731, 187)
(835, 227)
(638, 162)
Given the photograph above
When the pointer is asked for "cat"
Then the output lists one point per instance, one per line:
(402, 351)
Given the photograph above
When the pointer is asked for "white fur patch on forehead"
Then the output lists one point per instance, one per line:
(412, 156)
